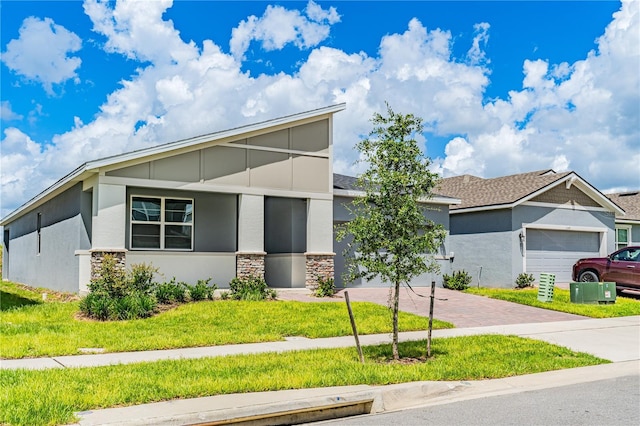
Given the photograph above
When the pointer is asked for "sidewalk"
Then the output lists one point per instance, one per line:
(615, 339)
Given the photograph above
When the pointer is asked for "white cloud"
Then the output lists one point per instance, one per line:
(41, 53)
(582, 116)
(7, 113)
(476, 54)
(278, 27)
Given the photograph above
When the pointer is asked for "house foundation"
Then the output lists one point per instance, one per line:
(318, 266)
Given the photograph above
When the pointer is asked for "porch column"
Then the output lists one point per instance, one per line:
(319, 255)
(250, 255)
(109, 223)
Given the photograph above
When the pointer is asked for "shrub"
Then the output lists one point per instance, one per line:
(524, 280)
(460, 280)
(131, 306)
(250, 288)
(326, 288)
(117, 295)
(112, 279)
(202, 290)
(97, 305)
(171, 292)
(141, 277)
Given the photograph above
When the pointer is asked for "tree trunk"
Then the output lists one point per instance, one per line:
(396, 304)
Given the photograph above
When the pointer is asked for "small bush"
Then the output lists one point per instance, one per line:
(97, 305)
(460, 280)
(202, 290)
(141, 277)
(524, 280)
(171, 292)
(326, 288)
(225, 295)
(250, 288)
(112, 279)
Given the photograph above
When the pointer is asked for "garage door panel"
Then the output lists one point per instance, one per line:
(555, 252)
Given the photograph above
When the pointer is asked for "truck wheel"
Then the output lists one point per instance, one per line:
(588, 277)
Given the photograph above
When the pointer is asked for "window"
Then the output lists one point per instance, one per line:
(160, 223)
(39, 231)
(623, 236)
(628, 255)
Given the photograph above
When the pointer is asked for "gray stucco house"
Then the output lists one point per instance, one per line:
(436, 209)
(534, 222)
(627, 225)
(257, 199)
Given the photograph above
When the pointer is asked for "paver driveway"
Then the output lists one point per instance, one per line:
(461, 309)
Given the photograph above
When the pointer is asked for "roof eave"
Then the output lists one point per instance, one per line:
(66, 182)
(436, 199)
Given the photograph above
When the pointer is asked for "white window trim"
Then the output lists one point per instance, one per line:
(629, 236)
(162, 223)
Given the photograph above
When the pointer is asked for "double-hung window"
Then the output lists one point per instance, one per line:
(161, 223)
(623, 236)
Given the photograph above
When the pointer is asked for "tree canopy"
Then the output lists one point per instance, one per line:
(392, 236)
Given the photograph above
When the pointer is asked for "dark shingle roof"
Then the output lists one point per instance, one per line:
(349, 183)
(630, 203)
(479, 192)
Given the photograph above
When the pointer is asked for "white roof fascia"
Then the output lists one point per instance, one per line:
(212, 137)
(628, 221)
(58, 187)
(436, 199)
(94, 166)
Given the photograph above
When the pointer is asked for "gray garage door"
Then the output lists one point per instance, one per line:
(555, 252)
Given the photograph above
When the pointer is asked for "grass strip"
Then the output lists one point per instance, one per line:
(623, 306)
(51, 329)
(52, 396)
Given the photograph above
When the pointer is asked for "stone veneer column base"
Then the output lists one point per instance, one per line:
(250, 264)
(98, 254)
(318, 265)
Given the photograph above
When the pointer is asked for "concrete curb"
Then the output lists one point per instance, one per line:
(260, 408)
(255, 408)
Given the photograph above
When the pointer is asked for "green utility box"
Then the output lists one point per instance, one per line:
(594, 293)
(545, 287)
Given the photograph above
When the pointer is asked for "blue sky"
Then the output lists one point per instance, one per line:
(503, 86)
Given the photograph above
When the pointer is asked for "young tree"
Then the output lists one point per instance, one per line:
(392, 238)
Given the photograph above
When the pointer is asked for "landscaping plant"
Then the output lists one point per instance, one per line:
(250, 288)
(326, 287)
(524, 280)
(202, 290)
(460, 280)
(118, 295)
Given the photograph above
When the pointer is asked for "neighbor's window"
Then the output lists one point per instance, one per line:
(623, 236)
(161, 223)
(39, 231)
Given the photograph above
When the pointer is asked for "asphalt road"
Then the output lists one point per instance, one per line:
(610, 402)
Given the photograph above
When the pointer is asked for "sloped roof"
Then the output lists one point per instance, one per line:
(91, 167)
(630, 202)
(348, 185)
(508, 191)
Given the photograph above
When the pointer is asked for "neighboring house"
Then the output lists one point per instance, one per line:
(257, 199)
(627, 225)
(534, 222)
(437, 210)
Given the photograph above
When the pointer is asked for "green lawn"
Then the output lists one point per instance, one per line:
(624, 306)
(52, 396)
(52, 328)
